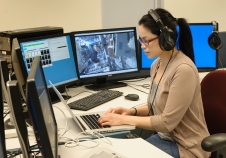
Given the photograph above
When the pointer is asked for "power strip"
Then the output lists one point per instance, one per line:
(11, 133)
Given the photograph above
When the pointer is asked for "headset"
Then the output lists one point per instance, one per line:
(167, 38)
(214, 40)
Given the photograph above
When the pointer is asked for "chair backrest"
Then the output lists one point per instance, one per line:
(213, 90)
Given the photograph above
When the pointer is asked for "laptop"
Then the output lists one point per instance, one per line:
(87, 126)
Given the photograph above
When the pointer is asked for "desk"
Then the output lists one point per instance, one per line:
(72, 126)
(135, 144)
(131, 148)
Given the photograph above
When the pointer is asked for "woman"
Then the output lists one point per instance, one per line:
(174, 108)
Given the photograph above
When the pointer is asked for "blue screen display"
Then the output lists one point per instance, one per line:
(56, 55)
(205, 56)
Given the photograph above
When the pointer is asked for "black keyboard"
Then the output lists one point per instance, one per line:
(94, 100)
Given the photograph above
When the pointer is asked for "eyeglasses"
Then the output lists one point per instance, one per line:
(146, 42)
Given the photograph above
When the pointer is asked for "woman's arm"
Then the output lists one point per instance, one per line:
(141, 110)
(113, 119)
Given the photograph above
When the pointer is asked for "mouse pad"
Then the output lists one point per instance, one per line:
(102, 152)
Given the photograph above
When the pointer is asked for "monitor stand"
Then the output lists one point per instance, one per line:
(102, 83)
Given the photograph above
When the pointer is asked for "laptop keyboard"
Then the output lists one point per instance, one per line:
(94, 100)
(92, 121)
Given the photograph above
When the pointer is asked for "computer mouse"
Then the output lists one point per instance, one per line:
(133, 97)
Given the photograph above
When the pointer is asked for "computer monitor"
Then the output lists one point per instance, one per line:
(17, 113)
(2, 131)
(41, 111)
(19, 69)
(205, 56)
(222, 51)
(57, 58)
(105, 52)
(4, 77)
(9, 123)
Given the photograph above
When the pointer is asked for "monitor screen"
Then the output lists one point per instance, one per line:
(106, 52)
(56, 55)
(2, 129)
(205, 56)
(41, 111)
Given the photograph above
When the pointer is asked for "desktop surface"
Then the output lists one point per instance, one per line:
(127, 147)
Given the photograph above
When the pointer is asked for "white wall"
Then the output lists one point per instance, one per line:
(75, 15)
(124, 13)
(198, 11)
(72, 15)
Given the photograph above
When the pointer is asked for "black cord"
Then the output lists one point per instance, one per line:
(135, 80)
(143, 86)
(6, 114)
(147, 86)
(138, 89)
(221, 63)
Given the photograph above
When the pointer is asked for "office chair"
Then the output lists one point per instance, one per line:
(213, 90)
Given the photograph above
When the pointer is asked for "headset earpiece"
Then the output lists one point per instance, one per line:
(167, 38)
(214, 40)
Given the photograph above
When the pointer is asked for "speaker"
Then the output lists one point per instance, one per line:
(214, 40)
(167, 38)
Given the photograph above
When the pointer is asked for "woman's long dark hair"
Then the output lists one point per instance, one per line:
(184, 39)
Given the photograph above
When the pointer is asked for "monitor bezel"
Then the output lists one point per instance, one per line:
(31, 91)
(200, 69)
(2, 128)
(5, 79)
(102, 31)
(45, 37)
(17, 114)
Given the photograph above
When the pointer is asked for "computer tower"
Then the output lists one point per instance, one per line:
(6, 38)
(222, 51)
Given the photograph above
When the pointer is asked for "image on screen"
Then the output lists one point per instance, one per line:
(56, 55)
(106, 52)
(40, 108)
(205, 56)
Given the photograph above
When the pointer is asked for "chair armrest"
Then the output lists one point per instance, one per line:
(214, 142)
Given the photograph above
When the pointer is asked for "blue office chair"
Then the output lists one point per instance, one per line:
(213, 90)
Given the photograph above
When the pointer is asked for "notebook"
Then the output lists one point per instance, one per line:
(84, 125)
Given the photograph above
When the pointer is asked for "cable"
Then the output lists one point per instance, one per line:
(6, 114)
(147, 86)
(221, 63)
(66, 124)
(144, 85)
(30, 133)
(135, 80)
(66, 90)
(75, 142)
(137, 89)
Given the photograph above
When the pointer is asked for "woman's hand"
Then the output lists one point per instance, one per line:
(111, 119)
(120, 110)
